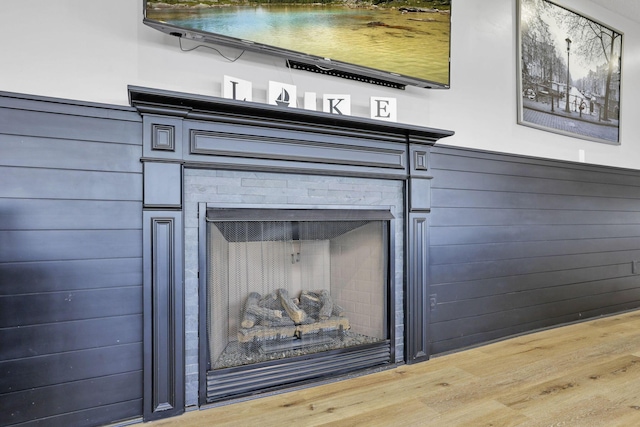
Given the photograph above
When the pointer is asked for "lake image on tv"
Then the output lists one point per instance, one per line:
(412, 41)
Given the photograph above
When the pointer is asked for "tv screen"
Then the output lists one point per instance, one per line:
(389, 42)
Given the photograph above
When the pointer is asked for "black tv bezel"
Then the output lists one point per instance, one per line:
(301, 61)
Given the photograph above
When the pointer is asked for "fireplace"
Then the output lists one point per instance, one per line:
(294, 295)
(281, 247)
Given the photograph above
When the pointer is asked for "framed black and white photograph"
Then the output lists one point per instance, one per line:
(569, 72)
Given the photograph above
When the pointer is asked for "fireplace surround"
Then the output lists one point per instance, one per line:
(282, 247)
(317, 241)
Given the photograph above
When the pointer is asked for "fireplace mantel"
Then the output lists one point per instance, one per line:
(184, 132)
(198, 107)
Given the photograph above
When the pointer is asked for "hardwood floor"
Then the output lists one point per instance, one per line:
(585, 374)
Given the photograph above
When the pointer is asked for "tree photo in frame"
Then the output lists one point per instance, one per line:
(569, 72)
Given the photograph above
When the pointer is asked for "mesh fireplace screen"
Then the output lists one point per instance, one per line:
(281, 287)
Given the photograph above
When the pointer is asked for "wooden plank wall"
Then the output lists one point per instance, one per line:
(70, 262)
(518, 244)
(515, 244)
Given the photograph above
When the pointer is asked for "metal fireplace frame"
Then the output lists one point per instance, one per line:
(189, 132)
(264, 377)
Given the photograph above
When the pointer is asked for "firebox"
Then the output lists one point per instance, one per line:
(295, 295)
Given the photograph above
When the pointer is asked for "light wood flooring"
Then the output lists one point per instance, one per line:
(585, 374)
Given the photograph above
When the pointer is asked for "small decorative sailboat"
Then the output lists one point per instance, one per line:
(283, 99)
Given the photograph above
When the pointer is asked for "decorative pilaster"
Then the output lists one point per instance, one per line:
(163, 268)
(163, 315)
(417, 302)
(418, 308)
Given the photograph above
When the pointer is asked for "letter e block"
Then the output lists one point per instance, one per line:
(384, 108)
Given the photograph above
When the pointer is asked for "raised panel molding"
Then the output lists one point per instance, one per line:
(420, 160)
(163, 315)
(281, 148)
(163, 137)
(417, 290)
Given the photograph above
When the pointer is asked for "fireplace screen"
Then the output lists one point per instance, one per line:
(288, 283)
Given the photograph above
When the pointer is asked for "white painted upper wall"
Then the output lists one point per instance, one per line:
(91, 50)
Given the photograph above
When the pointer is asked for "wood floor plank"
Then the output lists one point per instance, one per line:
(595, 411)
(412, 412)
(582, 382)
(481, 413)
(585, 374)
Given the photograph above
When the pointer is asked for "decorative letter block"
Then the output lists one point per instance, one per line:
(337, 104)
(281, 94)
(310, 100)
(233, 88)
(384, 109)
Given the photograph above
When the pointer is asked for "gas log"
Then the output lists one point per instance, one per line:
(320, 304)
(326, 305)
(277, 315)
(295, 313)
(253, 312)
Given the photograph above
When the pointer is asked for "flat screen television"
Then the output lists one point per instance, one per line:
(389, 42)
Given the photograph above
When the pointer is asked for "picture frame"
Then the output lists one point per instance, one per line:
(559, 48)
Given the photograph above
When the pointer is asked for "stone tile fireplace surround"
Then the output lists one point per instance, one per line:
(201, 153)
(265, 190)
